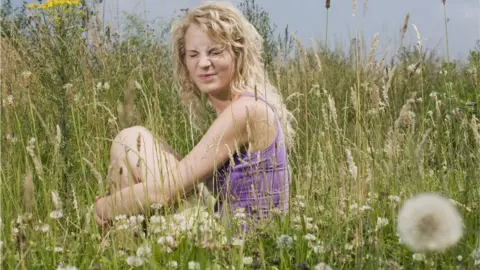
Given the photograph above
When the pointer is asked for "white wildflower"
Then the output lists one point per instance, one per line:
(192, 265)
(310, 237)
(418, 257)
(120, 217)
(381, 222)
(134, 261)
(284, 241)
(476, 256)
(58, 250)
(322, 266)
(240, 213)
(318, 249)
(42, 227)
(237, 242)
(67, 267)
(12, 139)
(56, 214)
(365, 208)
(459, 258)
(144, 251)
(172, 265)
(157, 219)
(136, 219)
(26, 74)
(167, 243)
(10, 99)
(394, 198)
(429, 222)
(247, 260)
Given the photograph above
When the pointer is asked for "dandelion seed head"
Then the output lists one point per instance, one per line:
(284, 241)
(429, 222)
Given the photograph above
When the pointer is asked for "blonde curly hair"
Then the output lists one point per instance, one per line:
(227, 26)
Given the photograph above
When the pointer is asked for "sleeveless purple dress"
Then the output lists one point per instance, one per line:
(257, 182)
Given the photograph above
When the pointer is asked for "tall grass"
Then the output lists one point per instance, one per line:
(370, 135)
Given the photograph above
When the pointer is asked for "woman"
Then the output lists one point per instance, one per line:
(243, 155)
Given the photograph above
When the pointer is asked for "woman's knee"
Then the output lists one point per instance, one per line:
(128, 139)
(140, 150)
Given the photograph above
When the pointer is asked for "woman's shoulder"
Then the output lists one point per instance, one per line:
(262, 124)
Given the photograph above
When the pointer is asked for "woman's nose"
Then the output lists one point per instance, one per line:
(204, 62)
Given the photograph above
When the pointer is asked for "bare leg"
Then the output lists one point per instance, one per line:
(138, 153)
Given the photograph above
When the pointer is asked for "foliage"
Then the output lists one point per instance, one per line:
(372, 133)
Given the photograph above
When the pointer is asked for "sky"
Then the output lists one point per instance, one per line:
(307, 18)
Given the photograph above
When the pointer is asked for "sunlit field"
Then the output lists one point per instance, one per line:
(373, 133)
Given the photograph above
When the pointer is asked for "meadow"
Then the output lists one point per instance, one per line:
(372, 133)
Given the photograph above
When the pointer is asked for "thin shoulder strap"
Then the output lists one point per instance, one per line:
(259, 97)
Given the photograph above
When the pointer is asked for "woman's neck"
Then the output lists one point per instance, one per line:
(221, 102)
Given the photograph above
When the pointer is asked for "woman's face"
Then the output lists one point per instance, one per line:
(209, 64)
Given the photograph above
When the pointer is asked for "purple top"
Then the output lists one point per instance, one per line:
(257, 181)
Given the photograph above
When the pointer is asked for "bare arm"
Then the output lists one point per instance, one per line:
(211, 152)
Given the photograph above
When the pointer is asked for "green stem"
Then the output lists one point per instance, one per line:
(326, 32)
(446, 31)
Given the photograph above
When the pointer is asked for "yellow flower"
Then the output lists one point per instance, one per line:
(75, 2)
(32, 5)
(42, 6)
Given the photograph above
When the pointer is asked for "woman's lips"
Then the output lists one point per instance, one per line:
(206, 76)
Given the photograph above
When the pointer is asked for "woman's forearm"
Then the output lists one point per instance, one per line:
(136, 198)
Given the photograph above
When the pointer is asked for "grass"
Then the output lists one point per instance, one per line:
(371, 134)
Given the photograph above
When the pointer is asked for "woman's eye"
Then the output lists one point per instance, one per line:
(192, 55)
(217, 52)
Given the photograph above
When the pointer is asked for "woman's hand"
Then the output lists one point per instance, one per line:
(101, 211)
